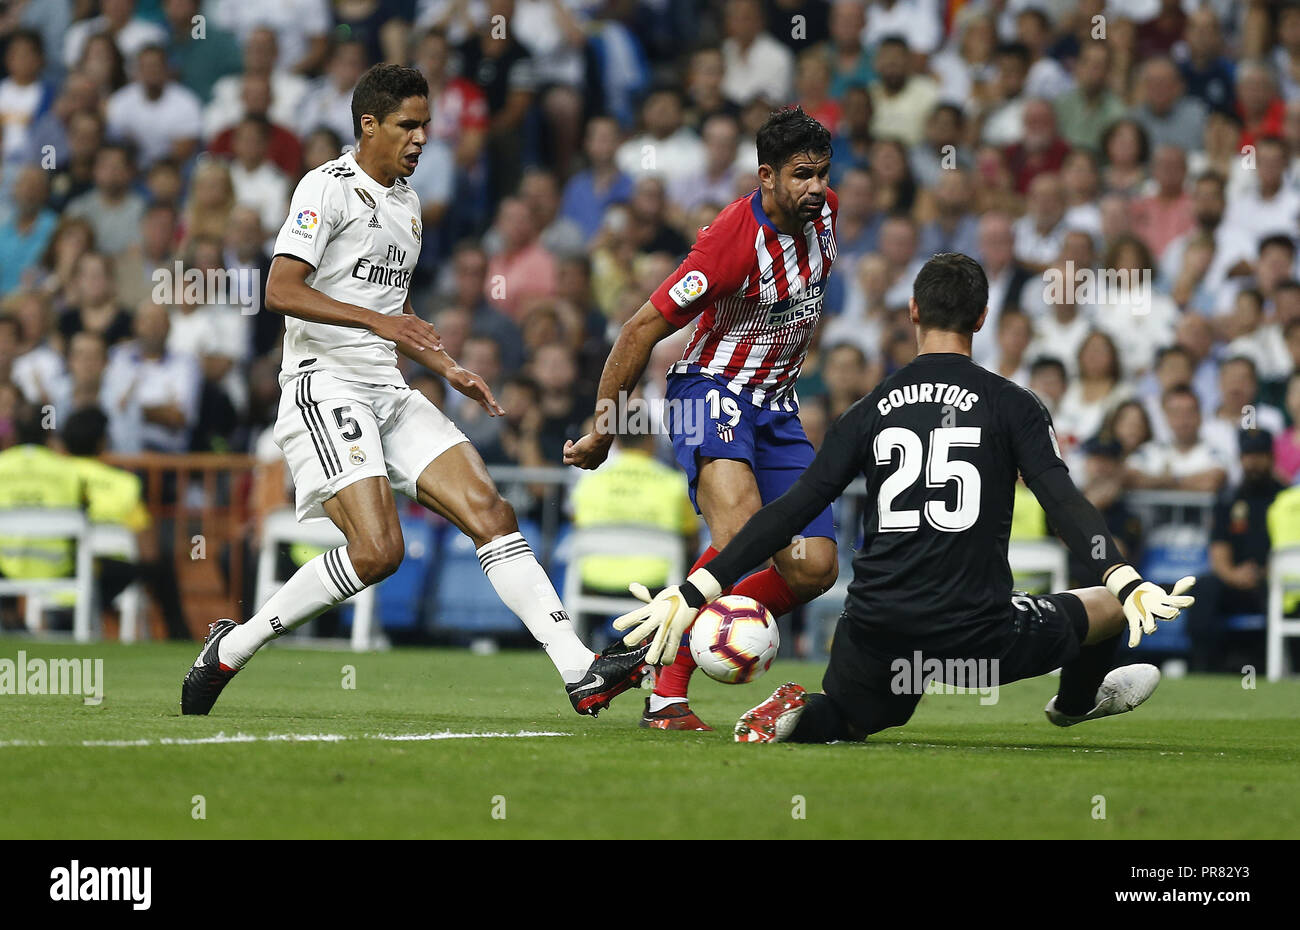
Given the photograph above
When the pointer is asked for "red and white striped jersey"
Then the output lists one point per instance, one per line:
(758, 294)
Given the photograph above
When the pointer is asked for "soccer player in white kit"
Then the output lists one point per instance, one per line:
(352, 430)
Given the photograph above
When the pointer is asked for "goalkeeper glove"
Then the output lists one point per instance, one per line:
(668, 615)
(1144, 602)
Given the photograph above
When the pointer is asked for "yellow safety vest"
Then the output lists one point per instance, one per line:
(631, 489)
(34, 476)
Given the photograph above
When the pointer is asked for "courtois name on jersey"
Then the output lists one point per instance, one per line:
(362, 240)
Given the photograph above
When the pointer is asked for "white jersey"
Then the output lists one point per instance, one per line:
(363, 240)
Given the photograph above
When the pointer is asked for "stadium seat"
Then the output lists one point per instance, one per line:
(400, 598)
(602, 540)
(54, 523)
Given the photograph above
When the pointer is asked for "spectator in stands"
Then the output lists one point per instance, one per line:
(555, 370)
(467, 289)
(24, 94)
(1208, 202)
(1254, 338)
(1269, 209)
(111, 207)
(559, 235)
(757, 65)
(1258, 104)
(965, 66)
(82, 385)
(666, 147)
(1128, 425)
(136, 268)
(198, 60)
(518, 442)
(716, 181)
(1013, 334)
(1173, 368)
(72, 130)
(261, 60)
(328, 102)
(851, 147)
(522, 269)
(1286, 447)
(1084, 111)
(651, 230)
(151, 394)
(103, 64)
(1048, 381)
(898, 246)
(849, 59)
(590, 192)
(94, 306)
(1164, 110)
(919, 21)
(891, 175)
(995, 250)
(1097, 390)
(26, 230)
(118, 21)
(282, 147)
(507, 75)
(1040, 233)
(1186, 462)
(1125, 149)
(943, 148)
(1040, 149)
(1239, 548)
(211, 198)
(1003, 120)
(1206, 73)
(10, 337)
(1165, 214)
(901, 98)
(256, 181)
(955, 228)
(848, 377)
(39, 364)
(1239, 408)
(320, 146)
(158, 116)
(301, 28)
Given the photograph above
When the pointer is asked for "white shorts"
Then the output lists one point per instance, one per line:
(334, 432)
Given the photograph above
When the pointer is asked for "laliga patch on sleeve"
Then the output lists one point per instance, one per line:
(692, 285)
(1055, 446)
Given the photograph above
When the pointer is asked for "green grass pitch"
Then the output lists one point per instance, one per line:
(1204, 758)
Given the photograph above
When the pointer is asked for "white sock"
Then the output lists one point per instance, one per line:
(522, 586)
(658, 703)
(326, 580)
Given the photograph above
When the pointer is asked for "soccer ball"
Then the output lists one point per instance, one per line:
(734, 639)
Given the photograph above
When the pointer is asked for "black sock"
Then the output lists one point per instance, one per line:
(1081, 678)
(821, 722)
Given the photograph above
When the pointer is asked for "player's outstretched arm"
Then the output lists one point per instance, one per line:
(288, 292)
(462, 379)
(623, 370)
(1083, 530)
(669, 615)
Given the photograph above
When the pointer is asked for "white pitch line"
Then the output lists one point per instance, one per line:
(222, 738)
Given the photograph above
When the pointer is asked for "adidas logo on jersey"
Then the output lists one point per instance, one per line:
(374, 222)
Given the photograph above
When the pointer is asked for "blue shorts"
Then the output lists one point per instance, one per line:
(705, 420)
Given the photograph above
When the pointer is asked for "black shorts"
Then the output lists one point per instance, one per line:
(876, 682)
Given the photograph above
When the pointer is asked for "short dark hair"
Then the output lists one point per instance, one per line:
(1278, 239)
(1180, 390)
(951, 292)
(85, 431)
(1045, 362)
(31, 37)
(29, 425)
(381, 91)
(789, 132)
(1015, 50)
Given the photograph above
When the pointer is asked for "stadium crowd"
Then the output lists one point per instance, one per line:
(150, 148)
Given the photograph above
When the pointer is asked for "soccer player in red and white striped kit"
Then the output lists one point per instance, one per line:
(754, 282)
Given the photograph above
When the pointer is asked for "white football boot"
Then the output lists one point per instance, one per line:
(1121, 690)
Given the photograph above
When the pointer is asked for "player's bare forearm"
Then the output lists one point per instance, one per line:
(462, 379)
(622, 371)
(288, 293)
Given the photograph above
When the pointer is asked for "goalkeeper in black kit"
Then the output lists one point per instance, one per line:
(940, 443)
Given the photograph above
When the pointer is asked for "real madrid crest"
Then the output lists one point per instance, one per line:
(415, 228)
(356, 456)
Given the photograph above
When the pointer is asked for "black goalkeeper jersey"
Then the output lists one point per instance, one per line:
(940, 443)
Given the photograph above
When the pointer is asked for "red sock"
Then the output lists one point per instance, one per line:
(673, 680)
(769, 589)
